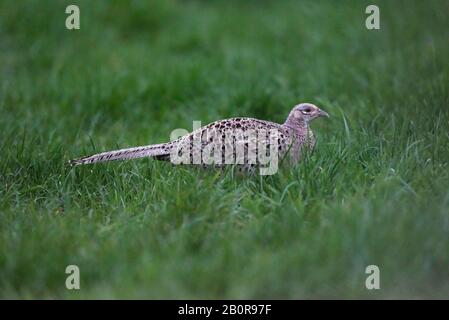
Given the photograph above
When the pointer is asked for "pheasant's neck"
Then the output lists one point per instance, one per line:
(299, 126)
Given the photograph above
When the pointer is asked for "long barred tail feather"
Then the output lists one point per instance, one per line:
(154, 150)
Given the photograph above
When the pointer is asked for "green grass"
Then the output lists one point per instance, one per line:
(375, 191)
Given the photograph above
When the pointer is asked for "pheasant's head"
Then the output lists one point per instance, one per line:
(303, 113)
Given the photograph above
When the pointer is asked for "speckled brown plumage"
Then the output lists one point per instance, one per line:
(231, 136)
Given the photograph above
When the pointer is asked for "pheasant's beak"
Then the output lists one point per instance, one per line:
(323, 114)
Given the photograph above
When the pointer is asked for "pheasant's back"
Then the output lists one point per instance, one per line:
(241, 141)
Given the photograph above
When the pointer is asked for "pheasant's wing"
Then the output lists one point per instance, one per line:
(231, 141)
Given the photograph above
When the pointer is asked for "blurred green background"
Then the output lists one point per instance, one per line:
(376, 190)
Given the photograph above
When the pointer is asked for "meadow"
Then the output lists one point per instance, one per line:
(374, 192)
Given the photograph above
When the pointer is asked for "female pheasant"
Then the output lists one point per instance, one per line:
(246, 142)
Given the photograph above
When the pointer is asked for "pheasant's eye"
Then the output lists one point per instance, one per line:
(307, 110)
